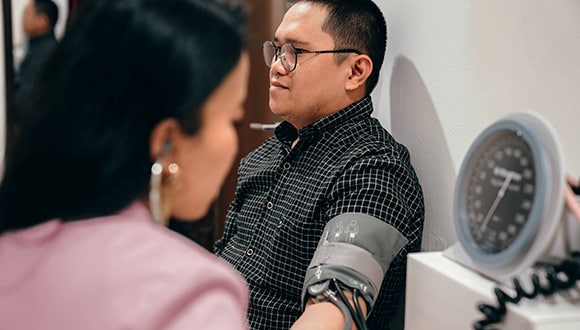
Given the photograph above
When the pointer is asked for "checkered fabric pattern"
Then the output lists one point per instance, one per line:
(346, 162)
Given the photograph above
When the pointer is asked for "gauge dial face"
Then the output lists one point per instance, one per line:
(508, 195)
(500, 191)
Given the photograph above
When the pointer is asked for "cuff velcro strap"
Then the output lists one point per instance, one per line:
(355, 259)
(355, 249)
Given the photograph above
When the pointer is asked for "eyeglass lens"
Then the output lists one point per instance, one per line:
(285, 52)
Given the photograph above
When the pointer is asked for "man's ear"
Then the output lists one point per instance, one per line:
(360, 70)
(163, 133)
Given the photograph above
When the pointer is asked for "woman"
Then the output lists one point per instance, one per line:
(132, 122)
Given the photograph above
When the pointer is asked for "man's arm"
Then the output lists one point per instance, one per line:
(325, 315)
(385, 197)
(351, 258)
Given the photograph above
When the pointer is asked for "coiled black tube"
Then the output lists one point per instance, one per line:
(558, 277)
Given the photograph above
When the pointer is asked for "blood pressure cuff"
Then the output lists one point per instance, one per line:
(355, 249)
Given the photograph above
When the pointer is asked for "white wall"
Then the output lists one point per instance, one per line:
(455, 66)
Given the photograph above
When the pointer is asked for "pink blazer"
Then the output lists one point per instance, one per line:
(117, 272)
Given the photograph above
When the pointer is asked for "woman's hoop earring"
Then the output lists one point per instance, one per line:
(159, 181)
(157, 197)
(155, 193)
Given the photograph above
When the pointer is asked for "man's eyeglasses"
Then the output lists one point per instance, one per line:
(289, 55)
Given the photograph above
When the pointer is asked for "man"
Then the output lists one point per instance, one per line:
(38, 21)
(330, 168)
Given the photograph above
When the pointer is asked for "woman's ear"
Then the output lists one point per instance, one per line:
(360, 70)
(162, 138)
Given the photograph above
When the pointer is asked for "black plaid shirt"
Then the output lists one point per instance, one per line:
(346, 162)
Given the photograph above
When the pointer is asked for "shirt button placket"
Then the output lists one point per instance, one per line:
(286, 167)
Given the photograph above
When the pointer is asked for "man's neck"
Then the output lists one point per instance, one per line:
(41, 35)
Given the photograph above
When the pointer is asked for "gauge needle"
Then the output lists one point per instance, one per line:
(498, 198)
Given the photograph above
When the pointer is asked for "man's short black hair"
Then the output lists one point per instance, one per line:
(48, 8)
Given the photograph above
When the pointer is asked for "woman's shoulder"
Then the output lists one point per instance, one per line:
(160, 272)
(132, 241)
(123, 260)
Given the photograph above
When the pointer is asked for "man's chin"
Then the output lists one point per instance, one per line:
(276, 109)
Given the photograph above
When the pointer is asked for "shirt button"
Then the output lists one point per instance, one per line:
(287, 166)
(249, 252)
(269, 205)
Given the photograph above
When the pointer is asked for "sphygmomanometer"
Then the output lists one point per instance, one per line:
(353, 255)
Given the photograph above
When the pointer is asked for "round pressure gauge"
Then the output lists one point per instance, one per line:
(509, 194)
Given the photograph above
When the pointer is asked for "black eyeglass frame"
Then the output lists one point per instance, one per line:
(278, 49)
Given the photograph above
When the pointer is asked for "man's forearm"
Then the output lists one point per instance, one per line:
(326, 315)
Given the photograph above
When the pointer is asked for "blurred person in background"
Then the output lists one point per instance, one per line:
(38, 21)
(132, 121)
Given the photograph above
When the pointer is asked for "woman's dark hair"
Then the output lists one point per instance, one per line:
(122, 67)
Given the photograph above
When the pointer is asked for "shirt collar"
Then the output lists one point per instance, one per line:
(41, 38)
(287, 133)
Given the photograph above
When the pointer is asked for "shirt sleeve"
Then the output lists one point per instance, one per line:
(384, 188)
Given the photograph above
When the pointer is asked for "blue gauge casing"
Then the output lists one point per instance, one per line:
(481, 150)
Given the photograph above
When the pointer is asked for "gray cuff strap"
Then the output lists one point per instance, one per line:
(379, 238)
(356, 249)
(350, 256)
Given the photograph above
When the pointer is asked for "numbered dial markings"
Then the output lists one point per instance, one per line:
(500, 192)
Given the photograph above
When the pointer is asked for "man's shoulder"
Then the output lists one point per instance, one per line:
(369, 136)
